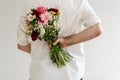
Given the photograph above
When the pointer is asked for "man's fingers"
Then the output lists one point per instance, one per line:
(56, 41)
(59, 40)
(49, 45)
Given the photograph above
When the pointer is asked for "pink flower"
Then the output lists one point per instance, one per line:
(42, 22)
(41, 9)
(44, 18)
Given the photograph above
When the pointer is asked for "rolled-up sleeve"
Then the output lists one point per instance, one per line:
(88, 15)
(22, 38)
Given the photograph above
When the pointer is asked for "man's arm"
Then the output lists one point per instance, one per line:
(26, 48)
(85, 35)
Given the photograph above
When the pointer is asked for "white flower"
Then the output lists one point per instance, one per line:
(42, 32)
(57, 26)
(40, 25)
(28, 31)
(30, 17)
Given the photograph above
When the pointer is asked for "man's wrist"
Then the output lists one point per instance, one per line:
(71, 40)
(68, 40)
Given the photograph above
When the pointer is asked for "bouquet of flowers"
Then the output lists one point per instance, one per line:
(43, 25)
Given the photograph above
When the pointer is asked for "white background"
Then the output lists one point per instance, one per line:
(102, 54)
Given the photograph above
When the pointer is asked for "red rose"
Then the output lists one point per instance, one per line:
(34, 35)
(53, 9)
(35, 13)
(41, 9)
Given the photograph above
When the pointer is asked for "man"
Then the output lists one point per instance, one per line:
(74, 15)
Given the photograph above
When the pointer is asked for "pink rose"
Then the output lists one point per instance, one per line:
(41, 9)
(45, 17)
(42, 22)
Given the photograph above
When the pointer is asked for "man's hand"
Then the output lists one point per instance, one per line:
(26, 48)
(62, 41)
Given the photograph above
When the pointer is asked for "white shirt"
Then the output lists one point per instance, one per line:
(74, 15)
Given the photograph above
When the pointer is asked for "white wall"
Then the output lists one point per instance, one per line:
(102, 54)
(13, 63)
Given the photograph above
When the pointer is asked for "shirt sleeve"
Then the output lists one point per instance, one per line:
(88, 15)
(22, 38)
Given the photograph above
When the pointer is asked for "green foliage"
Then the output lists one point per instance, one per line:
(58, 56)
